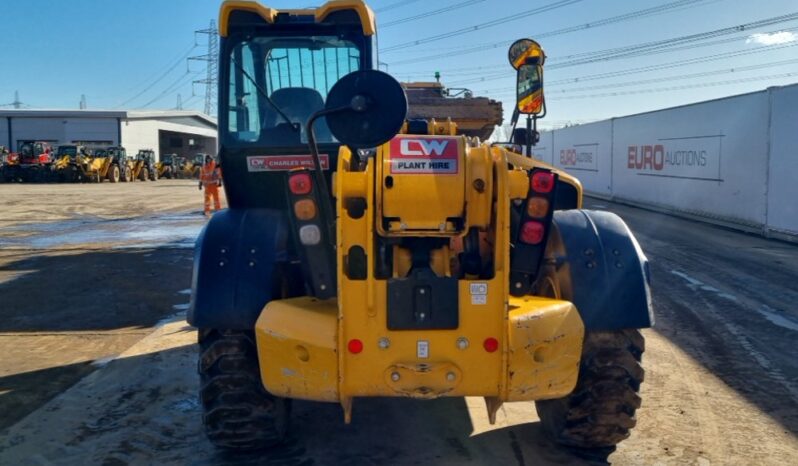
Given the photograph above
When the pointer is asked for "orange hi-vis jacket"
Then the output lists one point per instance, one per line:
(209, 175)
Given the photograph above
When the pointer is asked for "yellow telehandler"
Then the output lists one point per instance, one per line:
(367, 255)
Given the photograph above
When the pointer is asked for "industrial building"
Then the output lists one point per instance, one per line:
(165, 131)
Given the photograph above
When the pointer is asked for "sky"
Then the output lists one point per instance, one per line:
(606, 58)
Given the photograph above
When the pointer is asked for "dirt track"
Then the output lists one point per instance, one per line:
(720, 387)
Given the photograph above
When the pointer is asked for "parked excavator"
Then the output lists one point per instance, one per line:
(474, 116)
(326, 281)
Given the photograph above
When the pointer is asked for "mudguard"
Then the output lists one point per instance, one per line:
(601, 269)
(235, 267)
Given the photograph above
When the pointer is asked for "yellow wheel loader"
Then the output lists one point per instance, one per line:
(366, 255)
(74, 163)
(142, 167)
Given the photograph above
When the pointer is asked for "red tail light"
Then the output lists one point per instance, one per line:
(542, 182)
(490, 344)
(300, 183)
(355, 346)
(532, 232)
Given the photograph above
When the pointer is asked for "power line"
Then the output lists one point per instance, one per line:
(670, 44)
(156, 73)
(676, 88)
(180, 81)
(393, 6)
(608, 56)
(657, 80)
(488, 24)
(160, 78)
(673, 64)
(427, 14)
(603, 22)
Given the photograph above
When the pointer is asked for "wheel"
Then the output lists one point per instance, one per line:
(600, 412)
(144, 174)
(154, 175)
(167, 174)
(238, 413)
(124, 174)
(113, 174)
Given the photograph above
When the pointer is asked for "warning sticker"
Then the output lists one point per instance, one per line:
(479, 293)
(277, 163)
(416, 155)
(422, 349)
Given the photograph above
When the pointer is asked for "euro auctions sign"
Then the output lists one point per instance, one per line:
(580, 157)
(692, 157)
(424, 155)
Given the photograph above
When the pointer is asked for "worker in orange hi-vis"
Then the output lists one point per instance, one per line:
(211, 180)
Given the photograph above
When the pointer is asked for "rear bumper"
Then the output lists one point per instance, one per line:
(300, 355)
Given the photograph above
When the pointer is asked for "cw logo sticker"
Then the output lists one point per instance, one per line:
(423, 147)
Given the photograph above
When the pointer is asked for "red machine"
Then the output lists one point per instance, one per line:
(35, 161)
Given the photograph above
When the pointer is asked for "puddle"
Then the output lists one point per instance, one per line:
(174, 230)
(102, 361)
(779, 318)
(186, 405)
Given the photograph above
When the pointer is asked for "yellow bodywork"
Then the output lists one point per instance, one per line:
(320, 14)
(302, 342)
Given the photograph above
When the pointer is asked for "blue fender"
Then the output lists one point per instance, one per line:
(235, 267)
(601, 269)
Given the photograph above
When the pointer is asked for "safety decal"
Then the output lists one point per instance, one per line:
(422, 349)
(479, 293)
(414, 155)
(278, 163)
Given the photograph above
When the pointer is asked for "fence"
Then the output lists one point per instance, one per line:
(732, 161)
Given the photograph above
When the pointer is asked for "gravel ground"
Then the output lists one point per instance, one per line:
(89, 376)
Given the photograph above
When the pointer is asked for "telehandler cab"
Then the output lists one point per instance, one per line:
(365, 255)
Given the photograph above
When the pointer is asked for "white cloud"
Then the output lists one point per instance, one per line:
(781, 37)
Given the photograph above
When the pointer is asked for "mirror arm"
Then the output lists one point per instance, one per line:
(514, 123)
(318, 173)
(529, 132)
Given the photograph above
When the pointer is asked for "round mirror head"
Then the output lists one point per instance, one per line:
(372, 109)
(525, 51)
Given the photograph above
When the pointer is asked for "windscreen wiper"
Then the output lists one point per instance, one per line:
(265, 95)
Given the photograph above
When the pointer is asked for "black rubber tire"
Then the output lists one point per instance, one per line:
(600, 412)
(238, 413)
(113, 174)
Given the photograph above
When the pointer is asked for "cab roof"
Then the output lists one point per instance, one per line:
(320, 14)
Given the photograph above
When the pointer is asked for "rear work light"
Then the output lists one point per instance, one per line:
(543, 182)
(537, 207)
(305, 209)
(532, 232)
(299, 183)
